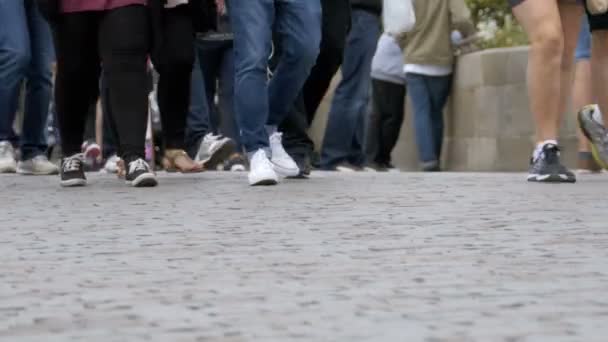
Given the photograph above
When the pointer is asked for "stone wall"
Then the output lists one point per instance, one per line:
(488, 122)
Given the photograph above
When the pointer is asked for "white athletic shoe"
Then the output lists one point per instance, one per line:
(281, 161)
(7, 158)
(261, 170)
(111, 165)
(39, 165)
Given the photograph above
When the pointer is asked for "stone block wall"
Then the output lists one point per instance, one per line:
(488, 122)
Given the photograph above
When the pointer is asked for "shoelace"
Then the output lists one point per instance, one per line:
(138, 165)
(73, 163)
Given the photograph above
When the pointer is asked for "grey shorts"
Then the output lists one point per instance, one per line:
(514, 3)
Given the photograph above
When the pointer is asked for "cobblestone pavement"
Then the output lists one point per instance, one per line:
(361, 257)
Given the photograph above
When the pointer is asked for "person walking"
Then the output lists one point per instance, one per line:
(117, 34)
(26, 55)
(343, 146)
(261, 105)
(335, 27)
(552, 27)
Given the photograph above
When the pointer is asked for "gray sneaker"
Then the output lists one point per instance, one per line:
(214, 150)
(38, 166)
(7, 158)
(596, 132)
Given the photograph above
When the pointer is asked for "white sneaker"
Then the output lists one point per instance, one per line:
(39, 165)
(111, 165)
(261, 170)
(281, 161)
(214, 150)
(7, 158)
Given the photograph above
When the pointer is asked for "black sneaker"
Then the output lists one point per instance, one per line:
(304, 164)
(139, 174)
(72, 171)
(547, 168)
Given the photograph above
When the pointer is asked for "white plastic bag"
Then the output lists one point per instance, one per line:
(597, 6)
(399, 16)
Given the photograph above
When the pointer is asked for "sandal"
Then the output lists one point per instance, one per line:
(179, 161)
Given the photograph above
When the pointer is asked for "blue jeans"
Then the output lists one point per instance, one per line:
(261, 102)
(429, 95)
(213, 65)
(345, 131)
(26, 53)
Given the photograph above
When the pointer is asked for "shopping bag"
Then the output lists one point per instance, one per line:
(399, 16)
(596, 7)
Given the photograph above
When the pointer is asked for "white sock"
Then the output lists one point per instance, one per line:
(539, 147)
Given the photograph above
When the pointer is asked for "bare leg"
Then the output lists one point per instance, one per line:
(582, 96)
(599, 65)
(571, 15)
(542, 22)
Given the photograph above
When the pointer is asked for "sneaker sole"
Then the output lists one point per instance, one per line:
(33, 173)
(594, 151)
(219, 156)
(71, 183)
(551, 179)
(264, 182)
(146, 180)
(285, 172)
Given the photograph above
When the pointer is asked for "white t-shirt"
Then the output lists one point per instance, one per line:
(175, 3)
(427, 70)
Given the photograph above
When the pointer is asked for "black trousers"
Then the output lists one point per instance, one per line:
(119, 39)
(336, 24)
(173, 61)
(385, 121)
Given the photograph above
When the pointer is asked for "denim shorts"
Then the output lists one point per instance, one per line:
(583, 47)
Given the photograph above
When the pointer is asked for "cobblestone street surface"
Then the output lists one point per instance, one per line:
(357, 257)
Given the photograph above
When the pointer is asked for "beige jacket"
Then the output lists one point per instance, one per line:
(430, 41)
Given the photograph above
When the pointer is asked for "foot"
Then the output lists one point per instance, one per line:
(236, 163)
(596, 132)
(281, 161)
(7, 158)
(304, 165)
(111, 165)
(91, 151)
(378, 167)
(262, 170)
(72, 171)
(547, 167)
(178, 160)
(214, 150)
(140, 175)
(39, 165)
(347, 167)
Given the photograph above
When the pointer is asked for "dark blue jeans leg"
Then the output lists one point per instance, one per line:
(429, 95)
(228, 124)
(252, 22)
(352, 95)
(440, 92)
(39, 84)
(198, 121)
(298, 27)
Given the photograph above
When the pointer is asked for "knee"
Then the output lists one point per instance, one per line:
(548, 42)
(302, 50)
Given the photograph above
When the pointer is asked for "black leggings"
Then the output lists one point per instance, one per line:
(120, 40)
(385, 122)
(174, 62)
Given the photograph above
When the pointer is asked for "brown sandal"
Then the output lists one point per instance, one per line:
(179, 161)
